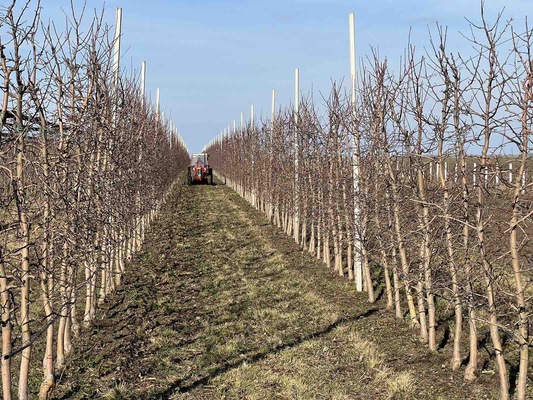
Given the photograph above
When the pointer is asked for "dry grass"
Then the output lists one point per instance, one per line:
(225, 307)
(338, 365)
(119, 392)
(401, 386)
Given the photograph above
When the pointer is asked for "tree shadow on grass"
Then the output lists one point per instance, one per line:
(380, 294)
(513, 377)
(445, 337)
(181, 385)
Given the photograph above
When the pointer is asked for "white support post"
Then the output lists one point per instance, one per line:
(171, 132)
(157, 105)
(270, 154)
(252, 187)
(445, 170)
(296, 105)
(358, 264)
(273, 112)
(474, 175)
(272, 117)
(143, 82)
(296, 224)
(251, 116)
(116, 50)
(510, 172)
(116, 62)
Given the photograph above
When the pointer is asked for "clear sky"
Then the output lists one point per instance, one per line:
(213, 59)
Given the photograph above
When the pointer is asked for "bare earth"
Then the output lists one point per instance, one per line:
(221, 305)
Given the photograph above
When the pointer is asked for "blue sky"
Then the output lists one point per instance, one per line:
(212, 59)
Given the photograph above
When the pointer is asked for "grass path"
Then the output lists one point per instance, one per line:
(219, 304)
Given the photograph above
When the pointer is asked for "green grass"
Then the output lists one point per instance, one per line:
(222, 305)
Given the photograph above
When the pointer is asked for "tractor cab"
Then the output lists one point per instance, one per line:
(199, 170)
(200, 159)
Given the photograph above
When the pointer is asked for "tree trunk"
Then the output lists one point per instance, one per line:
(6, 331)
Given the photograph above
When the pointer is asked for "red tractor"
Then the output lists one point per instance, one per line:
(199, 170)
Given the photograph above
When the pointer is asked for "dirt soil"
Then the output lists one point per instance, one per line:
(221, 305)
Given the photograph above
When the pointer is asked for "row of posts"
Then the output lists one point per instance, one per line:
(484, 176)
(433, 166)
(355, 173)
